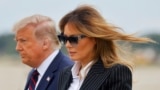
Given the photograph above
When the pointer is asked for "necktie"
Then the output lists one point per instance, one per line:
(33, 80)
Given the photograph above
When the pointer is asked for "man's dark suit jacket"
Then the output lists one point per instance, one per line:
(52, 73)
(117, 77)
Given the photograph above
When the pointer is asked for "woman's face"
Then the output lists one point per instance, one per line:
(83, 51)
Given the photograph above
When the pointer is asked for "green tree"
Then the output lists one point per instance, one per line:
(7, 44)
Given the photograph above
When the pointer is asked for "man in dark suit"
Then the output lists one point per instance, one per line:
(39, 48)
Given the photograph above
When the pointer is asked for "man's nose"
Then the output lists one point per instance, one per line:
(18, 47)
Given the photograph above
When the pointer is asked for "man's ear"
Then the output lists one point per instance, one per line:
(46, 43)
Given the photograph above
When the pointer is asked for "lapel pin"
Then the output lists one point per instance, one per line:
(48, 78)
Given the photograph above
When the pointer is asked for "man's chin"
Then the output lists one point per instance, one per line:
(24, 61)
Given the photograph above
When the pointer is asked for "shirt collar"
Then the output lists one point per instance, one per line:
(83, 71)
(75, 69)
(43, 67)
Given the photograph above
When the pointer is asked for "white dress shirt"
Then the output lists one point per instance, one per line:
(79, 74)
(43, 67)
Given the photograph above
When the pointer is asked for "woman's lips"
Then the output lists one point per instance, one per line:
(71, 53)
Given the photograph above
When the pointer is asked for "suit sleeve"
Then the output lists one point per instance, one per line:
(120, 78)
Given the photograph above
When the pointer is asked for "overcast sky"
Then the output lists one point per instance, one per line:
(132, 15)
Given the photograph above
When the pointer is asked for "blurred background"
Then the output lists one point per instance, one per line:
(133, 16)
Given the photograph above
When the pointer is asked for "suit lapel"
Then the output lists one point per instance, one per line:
(66, 79)
(45, 81)
(49, 74)
(95, 77)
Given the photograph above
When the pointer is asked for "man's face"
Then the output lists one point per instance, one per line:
(29, 47)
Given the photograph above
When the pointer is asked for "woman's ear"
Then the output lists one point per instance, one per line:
(94, 41)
